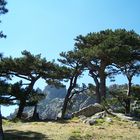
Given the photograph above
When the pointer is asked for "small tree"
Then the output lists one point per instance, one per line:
(97, 49)
(136, 100)
(72, 71)
(119, 97)
(18, 92)
(34, 99)
(130, 70)
(28, 68)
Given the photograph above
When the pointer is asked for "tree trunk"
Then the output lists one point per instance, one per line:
(127, 106)
(97, 88)
(66, 100)
(1, 129)
(98, 94)
(103, 84)
(21, 109)
(128, 100)
(23, 103)
(35, 114)
(72, 85)
(102, 77)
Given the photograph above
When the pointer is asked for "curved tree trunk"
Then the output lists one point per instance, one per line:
(65, 105)
(73, 81)
(97, 88)
(23, 102)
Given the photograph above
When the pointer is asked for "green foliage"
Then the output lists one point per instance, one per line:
(3, 10)
(109, 44)
(136, 92)
(5, 98)
(72, 71)
(101, 51)
(29, 68)
(118, 47)
(19, 92)
(118, 97)
(35, 97)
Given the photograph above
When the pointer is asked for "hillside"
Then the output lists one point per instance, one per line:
(72, 130)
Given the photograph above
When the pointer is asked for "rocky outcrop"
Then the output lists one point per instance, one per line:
(50, 109)
(123, 116)
(47, 108)
(51, 106)
(94, 119)
(81, 101)
(53, 92)
(89, 110)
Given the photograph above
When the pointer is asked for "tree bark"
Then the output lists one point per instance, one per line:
(102, 77)
(23, 102)
(97, 88)
(35, 114)
(66, 100)
(98, 94)
(103, 84)
(127, 106)
(21, 109)
(73, 81)
(128, 100)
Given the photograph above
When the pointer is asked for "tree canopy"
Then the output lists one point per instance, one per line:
(103, 50)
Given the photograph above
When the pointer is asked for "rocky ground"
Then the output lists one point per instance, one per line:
(90, 122)
(103, 128)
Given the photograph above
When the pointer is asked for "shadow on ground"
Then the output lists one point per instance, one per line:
(21, 135)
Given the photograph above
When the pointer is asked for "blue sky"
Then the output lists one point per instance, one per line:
(50, 26)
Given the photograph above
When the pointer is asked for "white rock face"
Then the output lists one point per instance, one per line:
(51, 106)
(53, 92)
(49, 109)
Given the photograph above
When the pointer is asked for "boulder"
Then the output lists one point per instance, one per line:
(82, 117)
(99, 115)
(109, 120)
(90, 121)
(81, 100)
(123, 117)
(89, 110)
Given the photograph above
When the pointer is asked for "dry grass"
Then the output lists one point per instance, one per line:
(71, 130)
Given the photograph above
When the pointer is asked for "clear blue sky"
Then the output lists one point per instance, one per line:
(50, 26)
